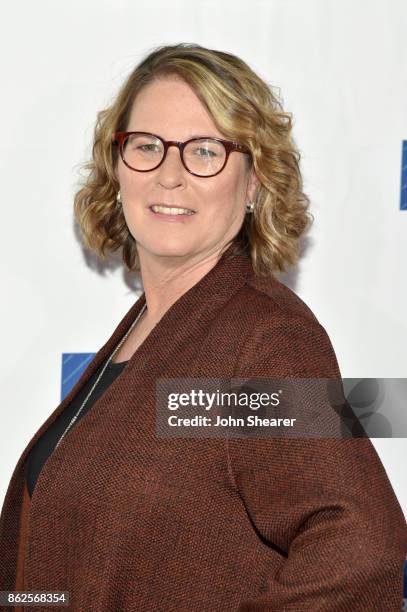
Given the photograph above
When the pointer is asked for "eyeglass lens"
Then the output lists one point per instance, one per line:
(202, 156)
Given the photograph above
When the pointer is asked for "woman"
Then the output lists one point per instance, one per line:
(195, 176)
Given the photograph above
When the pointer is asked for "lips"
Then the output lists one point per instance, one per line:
(170, 206)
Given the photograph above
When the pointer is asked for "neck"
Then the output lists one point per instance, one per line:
(166, 279)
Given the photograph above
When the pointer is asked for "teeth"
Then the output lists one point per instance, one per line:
(172, 211)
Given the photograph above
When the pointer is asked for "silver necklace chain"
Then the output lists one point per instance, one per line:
(74, 418)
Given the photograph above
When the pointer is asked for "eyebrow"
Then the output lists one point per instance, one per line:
(201, 136)
(187, 138)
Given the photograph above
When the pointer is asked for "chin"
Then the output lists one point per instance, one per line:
(167, 249)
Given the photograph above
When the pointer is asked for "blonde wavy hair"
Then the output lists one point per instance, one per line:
(245, 109)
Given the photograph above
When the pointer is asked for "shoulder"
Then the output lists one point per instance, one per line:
(273, 295)
(283, 336)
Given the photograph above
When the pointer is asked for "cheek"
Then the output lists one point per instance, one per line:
(229, 194)
(134, 187)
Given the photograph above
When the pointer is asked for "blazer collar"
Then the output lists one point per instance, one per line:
(194, 308)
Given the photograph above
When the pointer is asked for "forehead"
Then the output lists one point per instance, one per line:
(170, 108)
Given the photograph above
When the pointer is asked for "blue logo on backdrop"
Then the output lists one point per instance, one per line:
(403, 193)
(73, 365)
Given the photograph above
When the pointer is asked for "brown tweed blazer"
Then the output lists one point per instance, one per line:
(124, 520)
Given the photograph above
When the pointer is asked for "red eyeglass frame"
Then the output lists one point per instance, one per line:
(118, 138)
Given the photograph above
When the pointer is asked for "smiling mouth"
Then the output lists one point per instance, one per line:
(171, 210)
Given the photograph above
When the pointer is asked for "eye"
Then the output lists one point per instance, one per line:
(149, 147)
(205, 152)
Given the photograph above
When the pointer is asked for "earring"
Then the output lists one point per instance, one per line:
(250, 207)
(118, 198)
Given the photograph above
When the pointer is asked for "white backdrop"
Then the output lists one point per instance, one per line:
(342, 70)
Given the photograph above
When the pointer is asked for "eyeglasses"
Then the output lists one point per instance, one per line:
(203, 156)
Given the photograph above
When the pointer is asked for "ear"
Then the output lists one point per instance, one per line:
(252, 186)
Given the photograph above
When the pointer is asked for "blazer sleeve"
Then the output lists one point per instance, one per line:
(326, 506)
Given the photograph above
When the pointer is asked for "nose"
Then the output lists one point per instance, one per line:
(171, 173)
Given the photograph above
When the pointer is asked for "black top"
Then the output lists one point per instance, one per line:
(47, 442)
